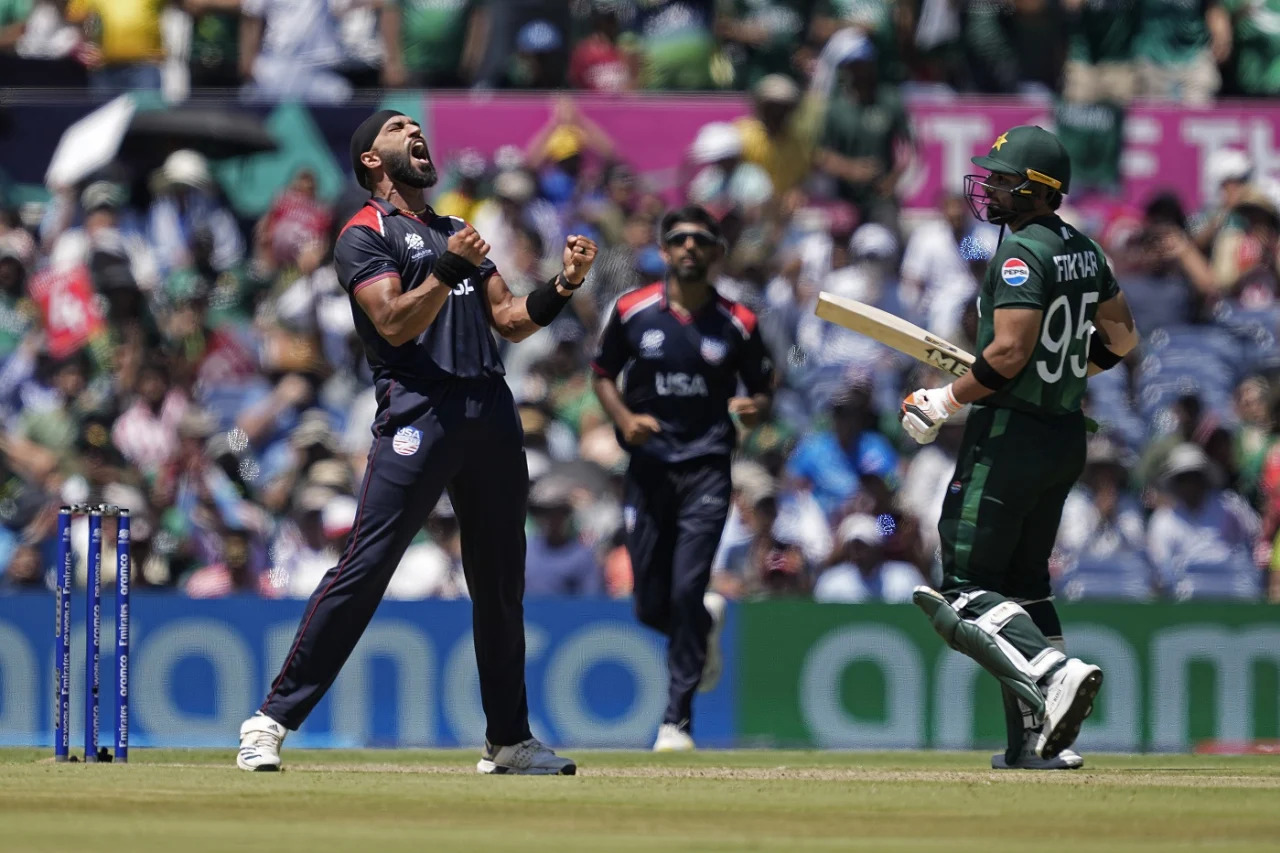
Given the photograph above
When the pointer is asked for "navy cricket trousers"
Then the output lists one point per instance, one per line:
(675, 514)
(463, 435)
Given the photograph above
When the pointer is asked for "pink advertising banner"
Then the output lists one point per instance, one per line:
(1166, 147)
(652, 134)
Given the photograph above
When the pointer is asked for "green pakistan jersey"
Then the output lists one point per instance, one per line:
(1051, 266)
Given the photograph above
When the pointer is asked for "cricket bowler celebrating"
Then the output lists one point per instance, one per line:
(426, 301)
(1050, 315)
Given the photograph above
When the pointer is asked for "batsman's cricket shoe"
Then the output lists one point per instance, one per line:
(260, 740)
(528, 758)
(1068, 699)
(1065, 760)
(672, 738)
(714, 665)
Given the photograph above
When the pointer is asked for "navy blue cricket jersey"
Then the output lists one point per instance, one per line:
(380, 242)
(683, 368)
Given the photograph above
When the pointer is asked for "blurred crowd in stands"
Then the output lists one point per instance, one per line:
(159, 353)
(321, 50)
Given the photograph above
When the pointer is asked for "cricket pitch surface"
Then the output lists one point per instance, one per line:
(380, 801)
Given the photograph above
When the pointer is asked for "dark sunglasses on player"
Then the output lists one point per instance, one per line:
(701, 238)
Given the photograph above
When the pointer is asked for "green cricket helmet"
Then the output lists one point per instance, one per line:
(1028, 151)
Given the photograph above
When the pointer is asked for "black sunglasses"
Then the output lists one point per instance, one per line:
(700, 238)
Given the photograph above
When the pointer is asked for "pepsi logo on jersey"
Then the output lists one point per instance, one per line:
(1015, 272)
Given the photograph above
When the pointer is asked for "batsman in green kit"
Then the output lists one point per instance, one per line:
(1050, 315)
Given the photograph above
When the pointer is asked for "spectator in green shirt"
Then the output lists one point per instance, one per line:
(760, 36)
(1099, 66)
(440, 41)
(879, 20)
(1255, 28)
(1015, 46)
(215, 43)
(863, 145)
(1179, 46)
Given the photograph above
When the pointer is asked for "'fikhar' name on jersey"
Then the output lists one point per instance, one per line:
(680, 385)
(1076, 265)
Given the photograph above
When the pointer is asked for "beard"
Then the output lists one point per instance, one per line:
(401, 170)
(691, 274)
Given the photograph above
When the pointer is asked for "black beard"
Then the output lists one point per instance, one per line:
(691, 275)
(401, 170)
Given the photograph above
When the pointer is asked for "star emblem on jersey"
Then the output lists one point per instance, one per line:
(1015, 272)
(651, 343)
(414, 241)
(1000, 140)
(407, 440)
(713, 351)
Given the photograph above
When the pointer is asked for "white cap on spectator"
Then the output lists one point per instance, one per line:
(100, 194)
(508, 157)
(716, 141)
(1186, 458)
(19, 245)
(332, 473)
(873, 240)
(9, 249)
(860, 528)
(187, 168)
(514, 185)
(778, 89)
(315, 498)
(1229, 164)
(338, 515)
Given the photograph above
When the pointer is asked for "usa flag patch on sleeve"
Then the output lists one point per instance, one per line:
(1015, 272)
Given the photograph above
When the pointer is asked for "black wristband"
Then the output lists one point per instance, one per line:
(544, 304)
(1100, 355)
(987, 375)
(452, 269)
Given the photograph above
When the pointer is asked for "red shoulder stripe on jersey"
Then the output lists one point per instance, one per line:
(743, 317)
(629, 303)
(366, 216)
(358, 286)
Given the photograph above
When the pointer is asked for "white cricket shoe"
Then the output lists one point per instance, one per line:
(260, 740)
(528, 758)
(1068, 699)
(1065, 760)
(672, 738)
(714, 665)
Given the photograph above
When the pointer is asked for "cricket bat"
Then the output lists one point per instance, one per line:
(894, 332)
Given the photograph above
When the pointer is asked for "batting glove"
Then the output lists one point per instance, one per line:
(924, 412)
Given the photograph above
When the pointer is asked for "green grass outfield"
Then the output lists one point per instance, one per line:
(179, 801)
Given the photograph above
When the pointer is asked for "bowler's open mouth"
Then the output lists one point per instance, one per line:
(418, 151)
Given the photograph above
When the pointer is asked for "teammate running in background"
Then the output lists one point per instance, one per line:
(683, 348)
(1050, 315)
(426, 302)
